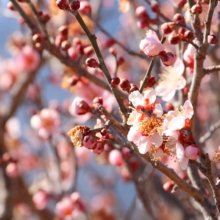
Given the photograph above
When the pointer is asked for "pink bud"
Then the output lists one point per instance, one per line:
(197, 8)
(168, 186)
(192, 152)
(143, 22)
(74, 5)
(167, 28)
(141, 12)
(179, 19)
(91, 62)
(75, 197)
(72, 53)
(212, 39)
(64, 207)
(115, 158)
(151, 45)
(99, 147)
(79, 106)
(62, 4)
(89, 141)
(40, 199)
(174, 38)
(167, 58)
(12, 169)
(85, 7)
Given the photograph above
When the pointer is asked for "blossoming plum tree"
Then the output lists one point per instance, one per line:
(141, 98)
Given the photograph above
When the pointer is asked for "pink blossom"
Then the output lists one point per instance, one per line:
(181, 156)
(83, 155)
(45, 122)
(40, 199)
(151, 45)
(115, 158)
(28, 58)
(64, 207)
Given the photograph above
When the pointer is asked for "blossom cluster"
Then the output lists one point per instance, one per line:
(161, 134)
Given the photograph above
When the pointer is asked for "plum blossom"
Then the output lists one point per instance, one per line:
(45, 122)
(170, 81)
(145, 130)
(151, 45)
(28, 58)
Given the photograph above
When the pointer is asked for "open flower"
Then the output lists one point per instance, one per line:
(170, 81)
(151, 45)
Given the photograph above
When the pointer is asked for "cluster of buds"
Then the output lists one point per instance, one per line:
(182, 34)
(143, 18)
(82, 136)
(151, 46)
(38, 40)
(124, 84)
(75, 5)
(73, 49)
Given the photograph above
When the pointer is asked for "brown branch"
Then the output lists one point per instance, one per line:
(103, 67)
(211, 69)
(209, 133)
(131, 52)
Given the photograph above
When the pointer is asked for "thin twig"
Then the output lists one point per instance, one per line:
(209, 133)
(211, 69)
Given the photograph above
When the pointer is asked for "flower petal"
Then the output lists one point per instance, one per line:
(150, 94)
(156, 139)
(136, 98)
(158, 110)
(176, 123)
(184, 163)
(179, 152)
(144, 145)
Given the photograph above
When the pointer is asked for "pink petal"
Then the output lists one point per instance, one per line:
(188, 109)
(179, 152)
(133, 134)
(181, 83)
(136, 98)
(156, 139)
(177, 123)
(144, 145)
(158, 110)
(184, 163)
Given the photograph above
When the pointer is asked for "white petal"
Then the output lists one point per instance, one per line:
(179, 152)
(176, 123)
(133, 118)
(133, 134)
(136, 98)
(169, 94)
(144, 145)
(179, 66)
(184, 163)
(181, 82)
(156, 139)
(150, 94)
(158, 110)
(188, 109)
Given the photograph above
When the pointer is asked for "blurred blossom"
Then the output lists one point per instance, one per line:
(13, 128)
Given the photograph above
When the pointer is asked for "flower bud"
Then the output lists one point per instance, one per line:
(125, 85)
(167, 58)
(174, 38)
(97, 100)
(85, 8)
(141, 12)
(169, 106)
(88, 51)
(115, 81)
(197, 8)
(74, 5)
(155, 6)
(10, 6)
(62, 4)
(115, 158)
(91, 62)
(73, 80)
(89, 141)
(72, 53)
(168, 186)
(99, 147)
(143, 23)
(179, 19)
(133, 88)
(167, 28)
(212, 39)
(79, 106)
(120, 61)
(181, 3)
(192, 152)
(151, 81)
(65, 45)
(108, 43)
(188, 35)
(63, 31)
(45, 18)
(38, 38)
